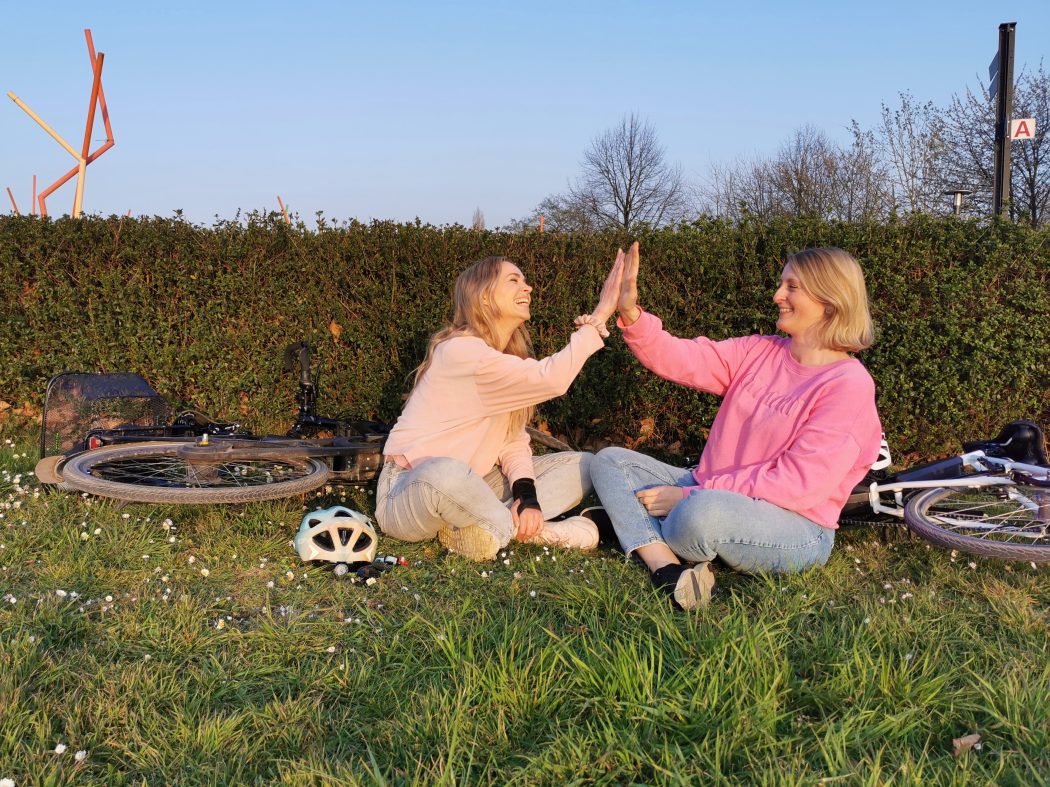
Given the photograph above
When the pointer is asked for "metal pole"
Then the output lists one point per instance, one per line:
(1003, 110)
(957, 198)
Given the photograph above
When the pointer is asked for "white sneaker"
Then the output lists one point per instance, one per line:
(575, 532)
(688, 586)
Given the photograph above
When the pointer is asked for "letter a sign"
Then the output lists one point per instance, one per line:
(1024, 128)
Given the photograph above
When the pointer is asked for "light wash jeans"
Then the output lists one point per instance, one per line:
(413, 505)
(750, 535)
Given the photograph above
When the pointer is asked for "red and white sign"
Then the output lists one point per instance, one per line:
(1023, 128)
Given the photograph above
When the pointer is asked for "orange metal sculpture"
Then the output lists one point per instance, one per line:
(85, 156)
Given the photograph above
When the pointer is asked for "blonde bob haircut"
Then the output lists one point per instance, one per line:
(474, 314)
(833, 278)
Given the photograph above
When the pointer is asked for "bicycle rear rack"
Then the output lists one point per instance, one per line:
(77, 403)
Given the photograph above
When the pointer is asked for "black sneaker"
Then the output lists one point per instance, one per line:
(687, 586)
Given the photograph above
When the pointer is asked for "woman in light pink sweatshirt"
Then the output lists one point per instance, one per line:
(796, 431)
(458, 464)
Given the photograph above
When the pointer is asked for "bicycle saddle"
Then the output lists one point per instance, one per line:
(1021, 441)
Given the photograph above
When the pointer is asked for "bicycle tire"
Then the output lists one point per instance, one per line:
(154, 473)
(991, 521)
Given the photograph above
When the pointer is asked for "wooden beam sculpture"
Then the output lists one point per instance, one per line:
(32, 202)
(84, 157)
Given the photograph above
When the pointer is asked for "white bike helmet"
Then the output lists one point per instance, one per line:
(337, 534)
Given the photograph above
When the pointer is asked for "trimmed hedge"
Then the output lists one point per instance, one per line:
(962, 311)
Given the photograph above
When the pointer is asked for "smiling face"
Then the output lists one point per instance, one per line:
(511, 296)
(800, 312)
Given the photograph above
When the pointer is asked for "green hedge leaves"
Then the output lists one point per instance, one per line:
(962, 311)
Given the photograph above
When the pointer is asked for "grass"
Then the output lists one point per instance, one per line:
(190, 645)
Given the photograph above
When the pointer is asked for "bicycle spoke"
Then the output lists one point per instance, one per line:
(1012, 517)
(172, 471)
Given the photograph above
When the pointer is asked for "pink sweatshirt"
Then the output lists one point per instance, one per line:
(461, 408)
(800, 437)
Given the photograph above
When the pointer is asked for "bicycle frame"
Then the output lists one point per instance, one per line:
(973, 469)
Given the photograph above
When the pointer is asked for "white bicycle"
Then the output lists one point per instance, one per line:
(992, 500)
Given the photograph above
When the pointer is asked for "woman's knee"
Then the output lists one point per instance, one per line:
(614, 456)
(442, 472)
(715, 511)
(550, 462)
(584, 464)
(750, 535)
(698, 526)
(586, 459)
(563, 480)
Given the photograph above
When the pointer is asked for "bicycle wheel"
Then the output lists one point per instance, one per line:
(1005, 521)
(163, 473)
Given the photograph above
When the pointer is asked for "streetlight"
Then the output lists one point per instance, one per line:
(957, 196)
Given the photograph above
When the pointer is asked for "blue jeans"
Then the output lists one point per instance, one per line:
(749, 535)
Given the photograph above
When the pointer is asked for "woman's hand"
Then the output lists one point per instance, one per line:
(610, 290)
(527, 523)
(659, 500)
(628, 303)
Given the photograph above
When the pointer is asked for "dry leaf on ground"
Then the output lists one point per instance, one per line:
(965, 743)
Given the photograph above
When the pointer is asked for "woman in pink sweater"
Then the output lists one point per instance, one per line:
(796, 431)
(458, 464)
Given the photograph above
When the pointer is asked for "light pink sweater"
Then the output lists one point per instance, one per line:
(461, 408)
(800, 437)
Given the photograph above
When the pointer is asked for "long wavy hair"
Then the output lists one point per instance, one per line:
(474, 314)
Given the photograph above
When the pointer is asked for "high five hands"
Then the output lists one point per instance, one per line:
(619, 292)
(628, 302)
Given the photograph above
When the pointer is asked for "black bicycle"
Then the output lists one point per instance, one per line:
(110, 435)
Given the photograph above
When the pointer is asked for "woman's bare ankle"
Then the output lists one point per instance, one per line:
(657, 555)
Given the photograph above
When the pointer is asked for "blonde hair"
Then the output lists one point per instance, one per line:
(474, 313)
(833, 278)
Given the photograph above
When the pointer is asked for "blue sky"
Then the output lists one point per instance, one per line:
(409, 109)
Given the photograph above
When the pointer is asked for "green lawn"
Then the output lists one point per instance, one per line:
(190, 645)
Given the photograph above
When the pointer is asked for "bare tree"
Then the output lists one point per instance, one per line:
(911, 143)
(862, 190)
(968, 160)
(1030, 187)
(478, 222)
(809, 176)
(626, 180)
(560, 214)
(804, 174)
(969, 144)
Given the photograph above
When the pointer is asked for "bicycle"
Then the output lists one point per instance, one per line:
(108, 435)
(992, 500)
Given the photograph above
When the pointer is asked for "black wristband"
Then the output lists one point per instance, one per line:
(524, 491)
